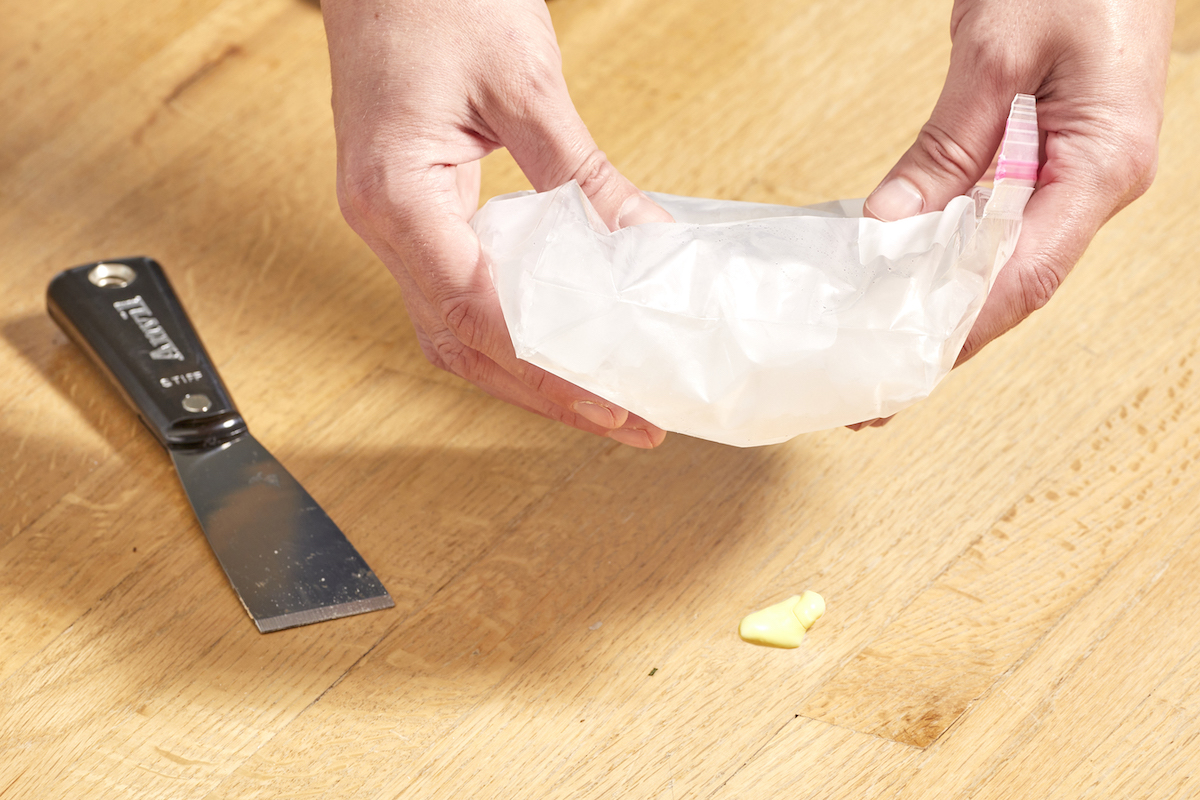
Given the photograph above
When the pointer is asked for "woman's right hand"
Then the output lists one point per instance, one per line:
(421, 92)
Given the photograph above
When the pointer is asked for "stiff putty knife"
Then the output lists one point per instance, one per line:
(288, 562)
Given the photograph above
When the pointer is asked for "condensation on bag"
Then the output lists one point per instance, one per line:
(746, 323)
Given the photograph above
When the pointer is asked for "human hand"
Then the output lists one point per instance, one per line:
(421, 92)
(1098, 69)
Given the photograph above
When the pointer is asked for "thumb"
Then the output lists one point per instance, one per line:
(552, 146)
(952, 152)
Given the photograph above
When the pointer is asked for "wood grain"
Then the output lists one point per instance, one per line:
(1009, 565)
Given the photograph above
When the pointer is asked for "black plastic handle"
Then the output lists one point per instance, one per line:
(126, 316)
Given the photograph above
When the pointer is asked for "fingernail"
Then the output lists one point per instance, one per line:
(895, 199)
(595, 413)
(638, 210)
(634, 437)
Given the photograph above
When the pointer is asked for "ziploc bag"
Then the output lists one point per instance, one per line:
(746, 323)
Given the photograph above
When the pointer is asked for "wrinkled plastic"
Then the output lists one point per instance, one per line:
(746, 323)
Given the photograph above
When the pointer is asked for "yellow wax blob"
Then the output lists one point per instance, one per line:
(783, 624)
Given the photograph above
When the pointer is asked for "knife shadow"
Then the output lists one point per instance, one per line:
(60, 439)
(423, 545)
(622, 538)
(500, 555)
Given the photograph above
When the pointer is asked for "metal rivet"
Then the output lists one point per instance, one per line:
(116, 276)
(196, 403)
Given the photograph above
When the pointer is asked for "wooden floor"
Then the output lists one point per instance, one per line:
(1012, 567)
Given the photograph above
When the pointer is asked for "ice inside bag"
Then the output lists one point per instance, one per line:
(746, 323)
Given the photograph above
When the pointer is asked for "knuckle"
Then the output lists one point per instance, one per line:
(464, 318)
(532, 377)
(372, 197)
(542, 73)
(537, 75)
(946, 154)
(431, 352)
(360, 195)
(1039, 282)
(556, 413)
(1122, 163)
(595, 173)
(1140, 162)
(450, 354)
(995, 61)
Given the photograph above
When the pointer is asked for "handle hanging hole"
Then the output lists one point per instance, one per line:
(116, 276)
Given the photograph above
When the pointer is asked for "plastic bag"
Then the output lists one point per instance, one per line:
(746, 323)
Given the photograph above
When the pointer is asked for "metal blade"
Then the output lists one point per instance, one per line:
(288, 562)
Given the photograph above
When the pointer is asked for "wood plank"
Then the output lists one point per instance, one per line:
(1186, 39)
(1109, 476)
(1021, 725)
(625, 704)
(542, 575)
(59, 432)
(977, 620)
(782, 66)
(38, 101)
(171, 637)
(1140, 685)
(547, 581)
(58, 419)
(1010, 718)
(1002, 594)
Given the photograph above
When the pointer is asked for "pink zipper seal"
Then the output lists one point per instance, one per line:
(1017, 169)
(1019, 150)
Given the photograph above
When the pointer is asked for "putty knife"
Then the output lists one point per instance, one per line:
(288, 562)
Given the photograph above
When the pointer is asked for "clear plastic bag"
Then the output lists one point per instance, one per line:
(746, 323)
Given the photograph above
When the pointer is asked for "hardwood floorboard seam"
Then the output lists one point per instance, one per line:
(1037, 643)
(766, 741)
(782, 728)
(1061, 468)
(1064, 677)
(92, 606)
(508, 529)
(302, 711)
(1134, 600)
(521, 515)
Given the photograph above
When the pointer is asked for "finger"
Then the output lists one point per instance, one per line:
(549, 141)
(1083, 183)
(953, 149)
(499, 383)
(479, 349)
(462, 313)
(639, 433)
(1054, 235)
(871, 423)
